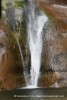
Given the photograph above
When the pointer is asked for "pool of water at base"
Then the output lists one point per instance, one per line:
(35, 94)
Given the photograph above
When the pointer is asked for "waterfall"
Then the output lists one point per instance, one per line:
(10, 15)
(35, 20)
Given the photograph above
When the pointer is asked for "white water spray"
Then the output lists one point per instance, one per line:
(35, 24)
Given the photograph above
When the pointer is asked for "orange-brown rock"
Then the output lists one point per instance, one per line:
(11, 81)
(11, 69)
(49, 78)
(61, 2)
(58, 12)
(55, 56)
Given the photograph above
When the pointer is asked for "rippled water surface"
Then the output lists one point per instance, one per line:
(34, 94)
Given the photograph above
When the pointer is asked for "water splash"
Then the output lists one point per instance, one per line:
(35, 22)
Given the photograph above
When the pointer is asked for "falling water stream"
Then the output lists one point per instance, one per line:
(35, 23)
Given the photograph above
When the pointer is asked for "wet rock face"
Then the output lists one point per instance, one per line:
(58, 1)
(11, 71)
(55, 1)
(48, 78)
(54, 56)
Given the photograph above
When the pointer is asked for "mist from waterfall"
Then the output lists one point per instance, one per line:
(35, 22)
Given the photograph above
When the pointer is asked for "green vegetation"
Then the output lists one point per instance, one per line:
(19, 3)
(15, 3)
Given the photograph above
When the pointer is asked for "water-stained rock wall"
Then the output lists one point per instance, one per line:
(54, 57)
(53, 72)
(11, 69)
